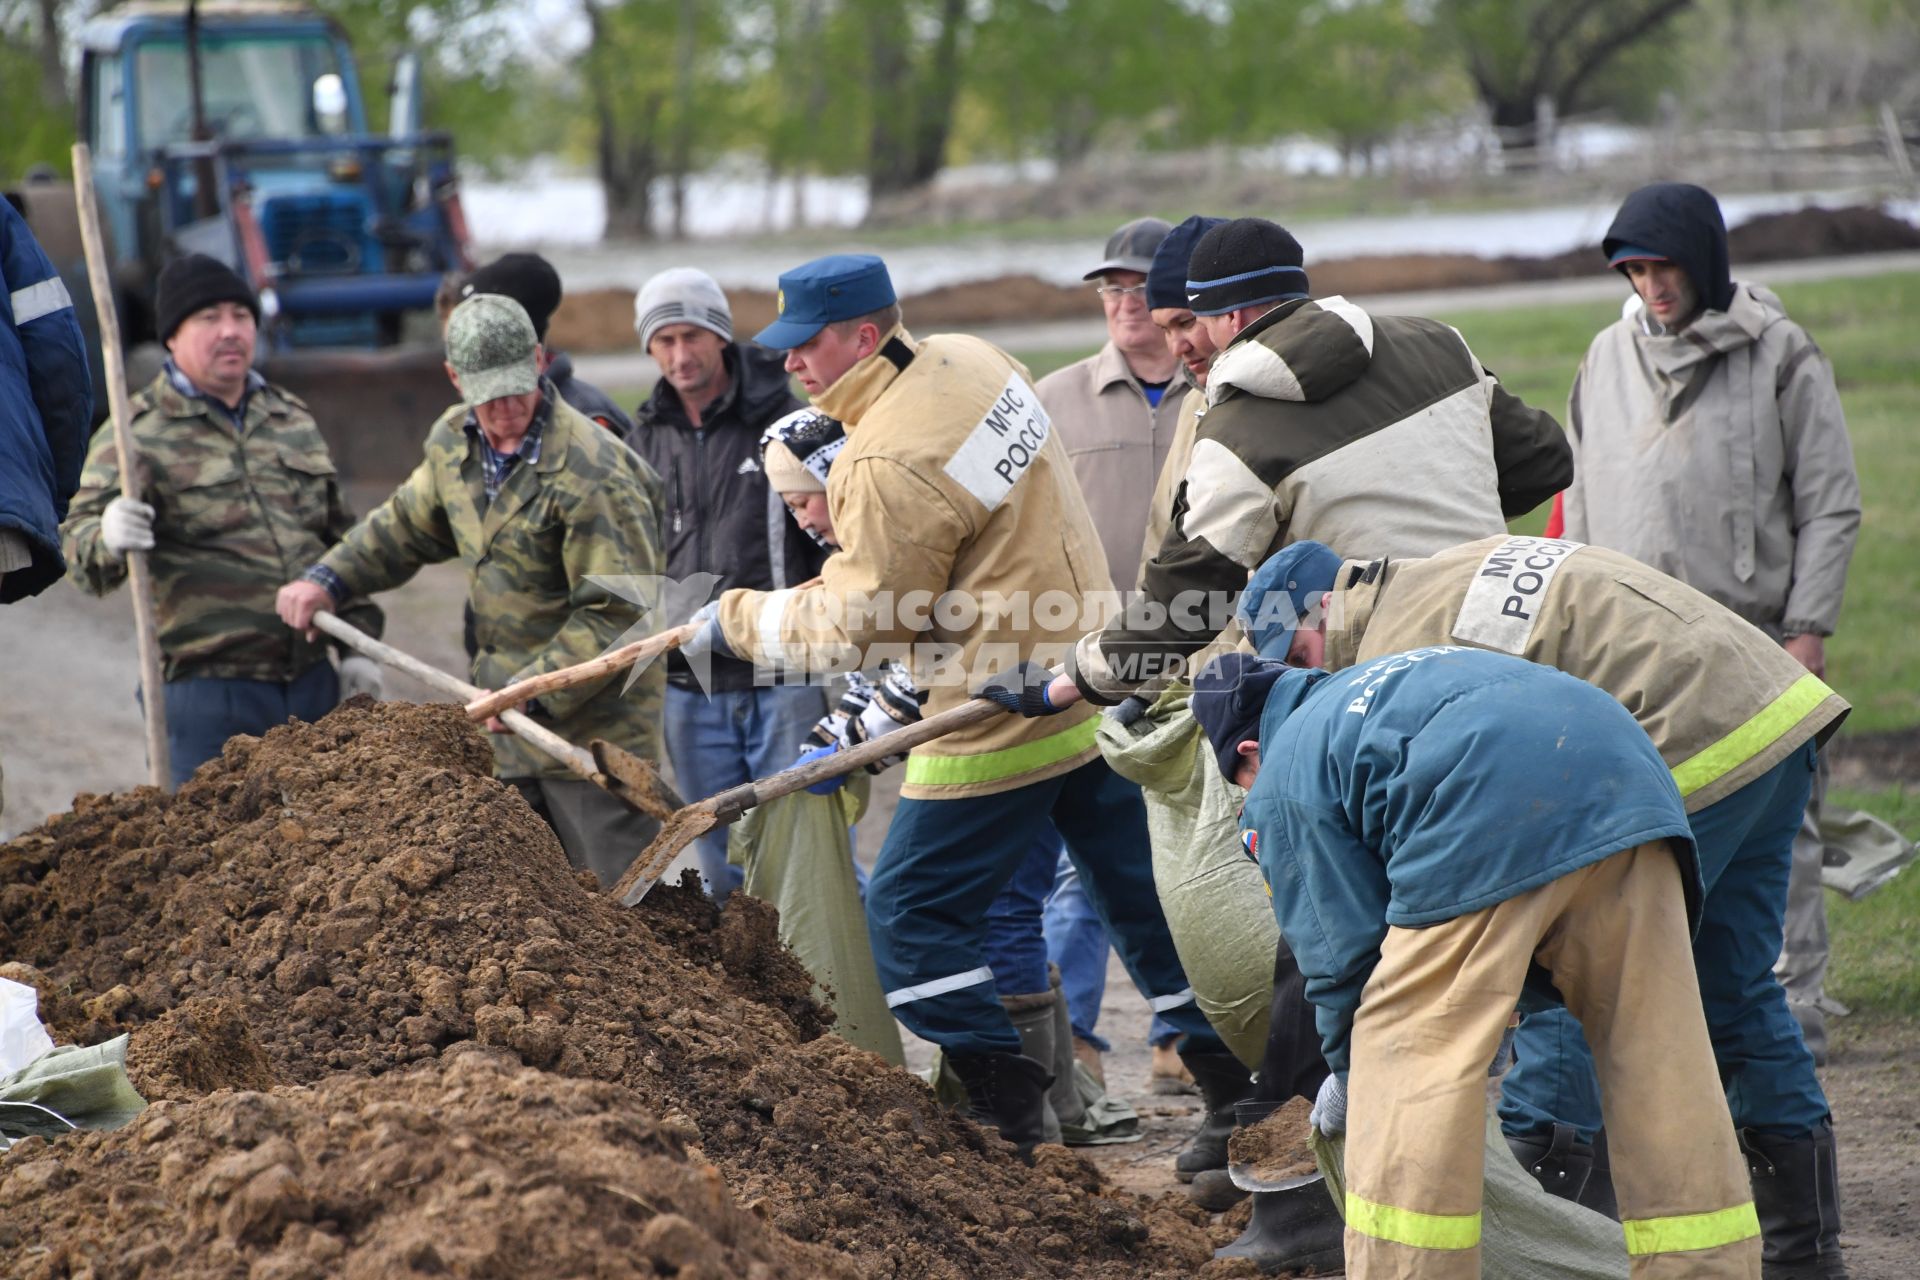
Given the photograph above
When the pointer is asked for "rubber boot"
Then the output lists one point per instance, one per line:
(1223, 1080)
(1566, 1167)
(1007, 1091)
(1796, 1191)
(1292, 1231)
(1033, 1018)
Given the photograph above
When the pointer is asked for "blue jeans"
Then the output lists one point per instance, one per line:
(945, 862)
(203, 713)
(1077, 943)
(720, 740)
(1745, 843)
(1015, 947)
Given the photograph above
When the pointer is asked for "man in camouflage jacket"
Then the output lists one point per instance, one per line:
(238, 493)
(542, 507)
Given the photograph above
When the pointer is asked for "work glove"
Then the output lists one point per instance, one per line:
(360, 675)
(1131, 708)
(826, 786)
(830, 730)
(1329, 1114)
(709, 638)
(1022, 689)
(126, 525)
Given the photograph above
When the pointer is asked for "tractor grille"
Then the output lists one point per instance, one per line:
(321, 234)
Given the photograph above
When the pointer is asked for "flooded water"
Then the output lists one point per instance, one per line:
(565, 218)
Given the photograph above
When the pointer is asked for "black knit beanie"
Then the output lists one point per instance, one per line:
(1244, 263)
(195, 281)
(528, 279)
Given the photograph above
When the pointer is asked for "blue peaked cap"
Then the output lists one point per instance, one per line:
(1282, 590)
(815, 294)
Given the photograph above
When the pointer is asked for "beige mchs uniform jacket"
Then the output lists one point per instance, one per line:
(1167, 487)
(966, 547)
(1721, 701)
(1119, 444)
(1719, 455)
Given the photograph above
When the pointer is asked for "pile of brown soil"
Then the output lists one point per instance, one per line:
(602, 319)
(366, 898)
(1280, 1146)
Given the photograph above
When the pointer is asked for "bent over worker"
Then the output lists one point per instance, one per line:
(1449, 833)
(542, 507)
(951, 487)
(1738, 722)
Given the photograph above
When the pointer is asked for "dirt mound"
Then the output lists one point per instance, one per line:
(203, 1045)
(471, 1166)
(602, 319)
(367, 898)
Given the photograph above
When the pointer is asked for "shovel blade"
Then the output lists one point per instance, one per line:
(681, 829)
(1246, 1176)
(635, 781)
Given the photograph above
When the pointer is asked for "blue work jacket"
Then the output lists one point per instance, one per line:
(46, 404)
(1431, 784)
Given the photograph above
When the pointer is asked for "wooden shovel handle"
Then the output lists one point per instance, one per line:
(492, 704)
(728, 805)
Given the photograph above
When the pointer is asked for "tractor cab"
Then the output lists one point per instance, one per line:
(237, 129)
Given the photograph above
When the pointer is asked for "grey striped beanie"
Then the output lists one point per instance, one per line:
(684, 295)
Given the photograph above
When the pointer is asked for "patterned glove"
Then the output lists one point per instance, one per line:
(1022, 689)
(893, 704)
(1329, 1114)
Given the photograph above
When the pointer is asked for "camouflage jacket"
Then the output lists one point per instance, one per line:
(588, 507)
(235, 516)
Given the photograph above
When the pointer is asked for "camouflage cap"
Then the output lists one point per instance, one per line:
(490, 344)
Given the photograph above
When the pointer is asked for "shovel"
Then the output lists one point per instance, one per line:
(694, 821)
(628, 778)
(492, 704)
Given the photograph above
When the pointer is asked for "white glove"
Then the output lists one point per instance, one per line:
(361, 675)
(709, 638)
(1329, 1114)
(126, 526)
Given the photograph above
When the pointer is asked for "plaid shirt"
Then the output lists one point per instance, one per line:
(236, 414)
(495, 466)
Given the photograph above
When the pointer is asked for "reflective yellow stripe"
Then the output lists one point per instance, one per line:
(1746, 742)
(1421, 1230)
(1687, 1231)
(991, 766)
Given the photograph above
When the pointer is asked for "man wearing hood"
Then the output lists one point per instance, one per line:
(1710, 444)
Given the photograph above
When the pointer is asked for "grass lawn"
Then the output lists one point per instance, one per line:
(1876, 941)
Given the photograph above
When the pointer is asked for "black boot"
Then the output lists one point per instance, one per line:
(1008, 1092)
(1568, 1168)
(1796, 1191)
(1291, 1231)
(1223, 1080)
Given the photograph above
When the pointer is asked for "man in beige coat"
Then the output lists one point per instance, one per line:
(1709, 443)
(1737, 721)
(965, 549)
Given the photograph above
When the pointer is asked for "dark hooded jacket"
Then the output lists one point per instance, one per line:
(722, 518)
(1682, 223)
(584, 396)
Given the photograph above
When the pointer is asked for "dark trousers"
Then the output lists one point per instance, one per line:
(945, 861)
(1292, 1066)
(203, 713)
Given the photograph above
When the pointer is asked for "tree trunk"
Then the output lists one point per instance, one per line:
(53, 73)
(626, 155)
(686, 50)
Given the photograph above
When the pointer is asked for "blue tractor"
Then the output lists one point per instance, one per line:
(237, 128)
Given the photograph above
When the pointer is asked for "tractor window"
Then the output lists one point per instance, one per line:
(109, 108)
(252, 88)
